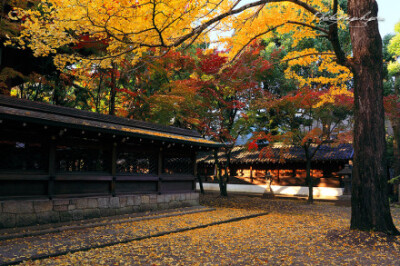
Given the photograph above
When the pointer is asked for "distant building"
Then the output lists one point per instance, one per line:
(286, 166)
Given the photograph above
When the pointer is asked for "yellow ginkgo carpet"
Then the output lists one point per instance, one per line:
(288, 232)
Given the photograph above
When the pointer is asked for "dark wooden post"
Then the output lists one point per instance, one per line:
(113, 168)
(251, 173)
(196, 174)
(159, 169)
(52, 167)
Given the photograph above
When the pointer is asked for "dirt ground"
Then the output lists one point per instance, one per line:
(291, 233)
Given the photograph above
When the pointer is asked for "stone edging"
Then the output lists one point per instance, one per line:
(29, 212)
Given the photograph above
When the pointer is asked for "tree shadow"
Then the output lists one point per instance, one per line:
(369, 239)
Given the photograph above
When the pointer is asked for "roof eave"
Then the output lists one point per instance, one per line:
(82, 124)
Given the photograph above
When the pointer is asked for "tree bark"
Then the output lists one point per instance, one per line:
(113, 91)
(396, 153)
(369, 201)
(200, 184)
(222, 184)
(395, 121)
(228, 169)
(309, 182)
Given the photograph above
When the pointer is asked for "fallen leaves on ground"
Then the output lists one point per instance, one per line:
(69, 240)
(292, 233)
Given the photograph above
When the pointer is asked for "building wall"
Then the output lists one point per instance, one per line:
(42, 161)
(52, 174)
(324, 174)
(318, 192)
(16, 213)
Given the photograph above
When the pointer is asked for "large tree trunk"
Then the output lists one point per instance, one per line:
(370, 203)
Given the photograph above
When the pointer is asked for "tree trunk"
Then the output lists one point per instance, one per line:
(395, 121)
(396, 153)
(113, 91)
(222, 184)
(200, 183)
(111, 110)
(309, 182)
(228, 172)
(99, 91)
(369, 201)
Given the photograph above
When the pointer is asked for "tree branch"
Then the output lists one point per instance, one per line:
(308, 26)
(305, 55)
(333, 37)
(252, 39)
(155, 26)
(231, 12)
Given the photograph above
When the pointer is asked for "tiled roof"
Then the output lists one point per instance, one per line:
(241, 154)
(63, 116)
